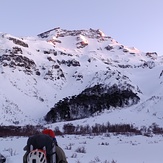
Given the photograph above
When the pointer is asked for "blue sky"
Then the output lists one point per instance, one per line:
(135, 23)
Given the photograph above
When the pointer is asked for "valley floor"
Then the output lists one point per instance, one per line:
(92, 149)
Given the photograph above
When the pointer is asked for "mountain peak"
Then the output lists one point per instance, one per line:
(58, 32)
(60, 63)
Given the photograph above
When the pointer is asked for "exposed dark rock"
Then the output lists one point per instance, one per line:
(91, 33)
(38, 73)
(14, 61)
(109, 47)
(125, 66)
(125, 50)
(152, 55)
(18, 42)
(148, 64)
(69, 63)
(81, 44)
(50, 51)
(17, 50)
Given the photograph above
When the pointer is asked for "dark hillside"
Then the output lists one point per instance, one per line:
(90, 101)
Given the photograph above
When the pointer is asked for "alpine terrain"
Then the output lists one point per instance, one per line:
(78, 75)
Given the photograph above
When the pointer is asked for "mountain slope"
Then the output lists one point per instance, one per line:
(37, 72)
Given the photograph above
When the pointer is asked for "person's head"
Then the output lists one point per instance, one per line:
(49, 132)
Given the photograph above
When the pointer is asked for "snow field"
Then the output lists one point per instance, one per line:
(92, 149)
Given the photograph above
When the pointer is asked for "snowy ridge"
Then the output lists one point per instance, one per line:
(37, 72)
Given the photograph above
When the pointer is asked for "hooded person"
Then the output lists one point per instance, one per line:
(60, 155)
(47, 140)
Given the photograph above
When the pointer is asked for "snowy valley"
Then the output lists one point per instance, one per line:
(56, 68)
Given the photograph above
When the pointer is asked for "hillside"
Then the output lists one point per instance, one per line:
(38, 73)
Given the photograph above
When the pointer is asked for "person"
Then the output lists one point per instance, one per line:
(47, 139)
(2, 158)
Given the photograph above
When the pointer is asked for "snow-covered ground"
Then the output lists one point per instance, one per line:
(63, 65)
(96, 149)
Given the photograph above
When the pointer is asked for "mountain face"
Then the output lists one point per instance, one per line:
(66, 75)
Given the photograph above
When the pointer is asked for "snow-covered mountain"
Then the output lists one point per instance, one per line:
(37, 72)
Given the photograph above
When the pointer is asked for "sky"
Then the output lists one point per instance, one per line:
(133, 23)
